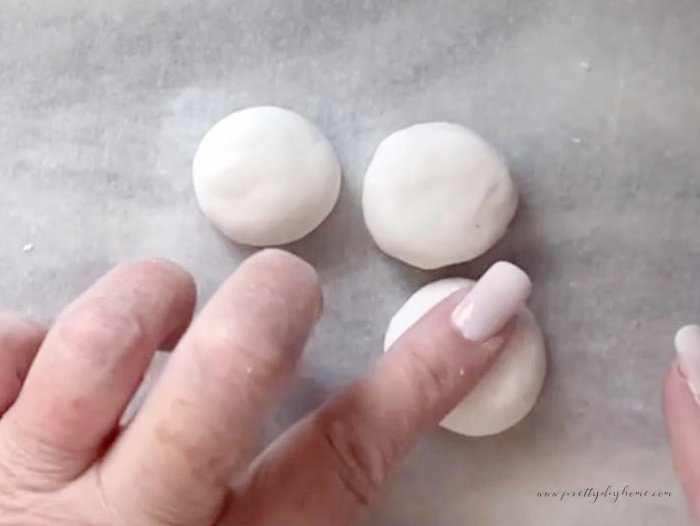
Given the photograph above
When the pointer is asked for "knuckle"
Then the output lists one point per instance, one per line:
(361, 462)
(428, 376)
(89, 328)
(159, 272)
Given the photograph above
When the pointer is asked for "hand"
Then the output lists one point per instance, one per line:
(682, 408)
(64, 460)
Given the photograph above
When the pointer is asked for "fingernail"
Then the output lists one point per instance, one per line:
(492, 303)
(688, 349)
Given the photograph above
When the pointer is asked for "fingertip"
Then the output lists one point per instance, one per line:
(171, 278)
(276, 265)
(518, 276)
(284, 261)
(164, 269)
(687, 342)
(494, 300)
(687, 339)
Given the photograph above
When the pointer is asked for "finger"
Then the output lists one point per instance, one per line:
(91, 363)
(682, 410)
(20, 338)
(333, 462)
(201, 418)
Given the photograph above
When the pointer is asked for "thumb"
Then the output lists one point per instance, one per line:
(682, 410)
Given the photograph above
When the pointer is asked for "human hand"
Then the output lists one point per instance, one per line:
(682, 409)
(64, 460)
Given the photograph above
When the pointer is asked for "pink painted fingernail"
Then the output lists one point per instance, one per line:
(493, 302)
(688, 349)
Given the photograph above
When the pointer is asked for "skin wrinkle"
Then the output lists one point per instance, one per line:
(18, 458)
(348, 471)
(431, 381)
(104, 502)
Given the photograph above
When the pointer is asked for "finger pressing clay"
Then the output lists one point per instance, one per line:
(510, 388)
(266, 176)
(437, 194)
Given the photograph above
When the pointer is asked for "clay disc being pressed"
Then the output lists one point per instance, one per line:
(509, 390)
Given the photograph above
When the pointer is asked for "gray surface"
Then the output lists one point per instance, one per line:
(102, 105)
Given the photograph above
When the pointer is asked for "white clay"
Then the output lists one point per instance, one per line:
(437, 194)
(266, 176)
(510, 388)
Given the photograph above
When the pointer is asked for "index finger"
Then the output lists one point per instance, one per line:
(334, 461)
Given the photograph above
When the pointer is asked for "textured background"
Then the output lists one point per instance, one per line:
(102, 104)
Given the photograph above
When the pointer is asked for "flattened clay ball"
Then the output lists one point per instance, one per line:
(509, 390)
(266, 176)
(437, 194)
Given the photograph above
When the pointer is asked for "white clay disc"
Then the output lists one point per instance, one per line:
(510, 388)
(266, 176)
(437, 194)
